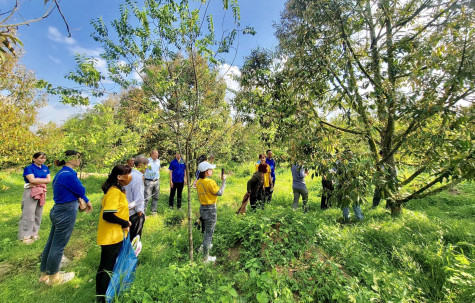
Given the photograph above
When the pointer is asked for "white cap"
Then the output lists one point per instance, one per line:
(205, 165)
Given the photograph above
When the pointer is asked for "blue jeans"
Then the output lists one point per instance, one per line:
(63, 218)
(356, 209)
(208, 213)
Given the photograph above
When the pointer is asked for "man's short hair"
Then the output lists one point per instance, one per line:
(267, 151)
(139, 160)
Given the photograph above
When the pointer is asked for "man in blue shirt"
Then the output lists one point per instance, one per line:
(271, 163)
(177, 180)
(152, 181)
(134, 191)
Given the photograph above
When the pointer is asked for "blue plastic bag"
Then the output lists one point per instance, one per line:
(124, 271)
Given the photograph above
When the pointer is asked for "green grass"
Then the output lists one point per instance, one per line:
(274, 255)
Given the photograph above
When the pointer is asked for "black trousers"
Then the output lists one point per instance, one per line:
(178, 188)
(253, 201)
(137, 225)
(109, 255)
(327, 189)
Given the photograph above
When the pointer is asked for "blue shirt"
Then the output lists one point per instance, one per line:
(153, 170)
(271, 163)
(298, 177)
(36, 171)
(134, 191)
(67, 187)
(178, 171)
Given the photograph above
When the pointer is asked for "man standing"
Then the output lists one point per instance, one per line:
(271, 162)
(134, 192)
(177, 179)
(152, 181)
(299, 187)
(130, 162)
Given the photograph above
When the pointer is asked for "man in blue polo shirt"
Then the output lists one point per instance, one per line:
(152, 181)
(271, 163)
(177, 180)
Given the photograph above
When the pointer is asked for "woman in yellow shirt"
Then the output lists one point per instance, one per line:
(264, 194)
(208, 192)
(113, 223)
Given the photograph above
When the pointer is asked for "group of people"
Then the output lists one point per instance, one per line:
(127, 192)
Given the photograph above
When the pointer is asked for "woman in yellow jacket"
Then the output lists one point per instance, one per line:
(264, 194)
(113, 223)
(208, 192)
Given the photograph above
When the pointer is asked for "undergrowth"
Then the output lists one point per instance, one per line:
(272, 255)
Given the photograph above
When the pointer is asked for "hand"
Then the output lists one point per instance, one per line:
(223, 177)
(171, 184)
(185, 181)
(88, 207)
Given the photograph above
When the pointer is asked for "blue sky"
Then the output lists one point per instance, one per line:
(50, 54)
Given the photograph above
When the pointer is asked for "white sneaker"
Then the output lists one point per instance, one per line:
(209, 259)
(200, 249)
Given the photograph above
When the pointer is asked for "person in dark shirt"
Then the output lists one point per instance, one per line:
(67, 191)
(255, 185)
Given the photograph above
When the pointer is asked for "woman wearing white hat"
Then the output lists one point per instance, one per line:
(208, 192)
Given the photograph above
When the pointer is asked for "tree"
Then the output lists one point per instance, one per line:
(393, 73)
(19, 101)
(103, 139)
(171, 46)
(8, 37)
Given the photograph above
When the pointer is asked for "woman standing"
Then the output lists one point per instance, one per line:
(36, 176)
(208, 192)
(67, 191)
(113, 225)
(264, 195)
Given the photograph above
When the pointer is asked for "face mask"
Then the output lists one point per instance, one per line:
(126, 181)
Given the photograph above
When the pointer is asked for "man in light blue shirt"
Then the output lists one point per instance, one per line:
(134, 192)
(152, 181)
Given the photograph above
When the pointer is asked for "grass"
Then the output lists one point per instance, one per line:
(274, 255)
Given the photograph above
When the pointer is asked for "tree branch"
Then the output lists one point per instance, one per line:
(343, 129)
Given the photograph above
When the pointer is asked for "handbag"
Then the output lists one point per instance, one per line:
(123, 274)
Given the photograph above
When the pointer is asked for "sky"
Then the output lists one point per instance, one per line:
(50, 53)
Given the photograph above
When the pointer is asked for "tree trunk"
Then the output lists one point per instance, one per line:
(190, 224)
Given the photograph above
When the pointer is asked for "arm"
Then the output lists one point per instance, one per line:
(171, 180)
(186, 172)
(35, 181)
(221, 189)
(112, 218)
(72, 183)
(139, 197)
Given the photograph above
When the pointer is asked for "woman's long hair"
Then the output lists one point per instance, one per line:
(112, 180)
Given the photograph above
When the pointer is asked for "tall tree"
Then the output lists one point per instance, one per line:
(168, 45)
(19, 101)
(396, 71)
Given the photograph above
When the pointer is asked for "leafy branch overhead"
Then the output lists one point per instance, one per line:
(372, 76)
(8, 41)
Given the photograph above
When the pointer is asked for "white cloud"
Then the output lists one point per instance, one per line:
(55, 35)
(228, 73)
(54, 59)
(91, 52)
(59, 113)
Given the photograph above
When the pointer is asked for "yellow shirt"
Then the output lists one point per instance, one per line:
(266, 175)
(207, 189)
(116, 202)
